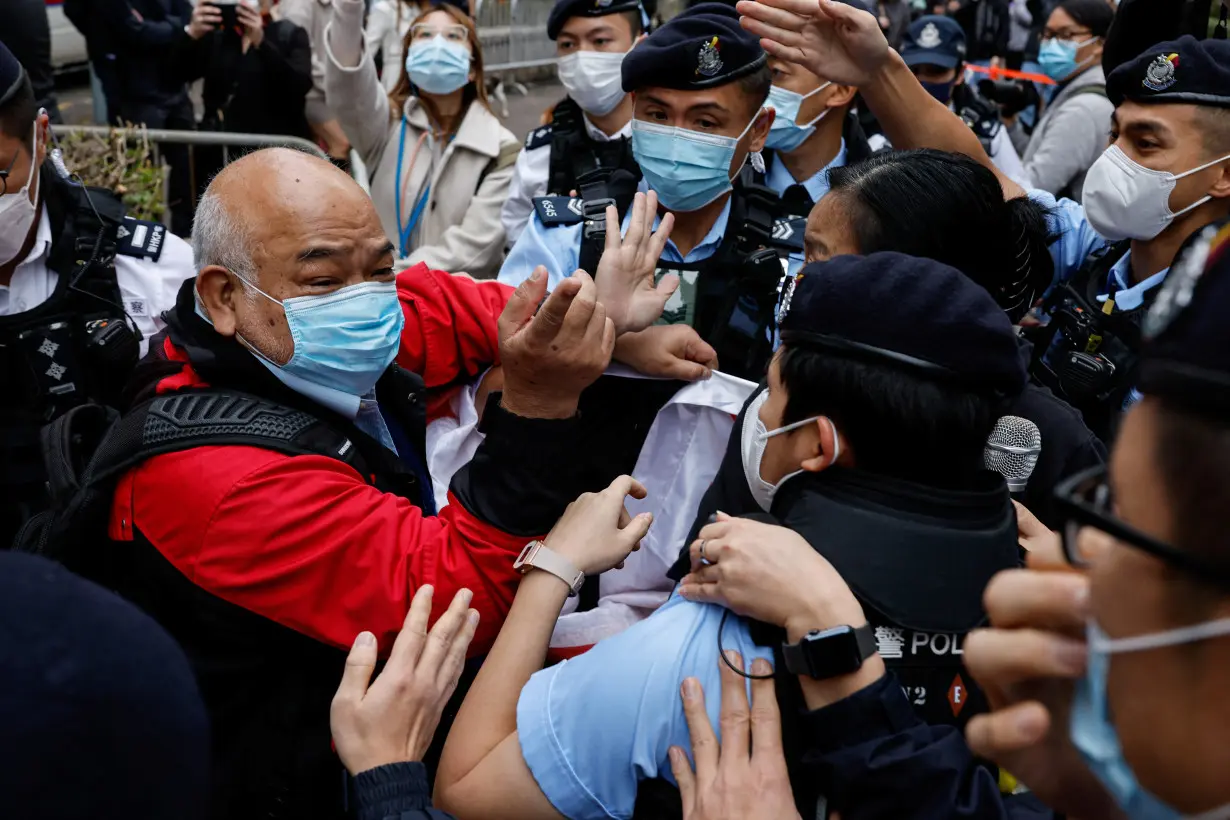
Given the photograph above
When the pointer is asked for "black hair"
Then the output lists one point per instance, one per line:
(899, 423)
(635, 23)
(18, 114)
(950, 208)
(1095, 15)
(1214, 122)
(756, 85)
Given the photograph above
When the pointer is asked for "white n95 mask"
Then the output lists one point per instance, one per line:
(593, 80)
(1125, 200)
(17, 211)
(753, 439)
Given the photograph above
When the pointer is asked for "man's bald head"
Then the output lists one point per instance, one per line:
(292, 225)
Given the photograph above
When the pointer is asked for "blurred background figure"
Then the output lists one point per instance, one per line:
(24, 29)
(387, 24)
(100, 709)
(439, 160)
(894, 17)
(313, 16)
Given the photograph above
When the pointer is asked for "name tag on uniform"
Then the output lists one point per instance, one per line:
(141, 239)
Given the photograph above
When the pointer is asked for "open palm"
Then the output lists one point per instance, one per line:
(625, 275)
(832, 40)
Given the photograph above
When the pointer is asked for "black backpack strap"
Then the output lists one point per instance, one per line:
(598, 190)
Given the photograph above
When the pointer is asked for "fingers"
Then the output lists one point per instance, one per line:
(357, 675)
(625, 485)
(657, 242)
(636, 225)
(549, 319)
(736, 715)
(797, 9)
(1005, 657)
(612, 237)
(409, 644)
(1041, 600)
(440, 639)
(766, 717)
(701, 352)
(1008, 730)
(524, 301)
(455, 659)
(576, 324)
(710, 593)
(704, 741)
(684, 777)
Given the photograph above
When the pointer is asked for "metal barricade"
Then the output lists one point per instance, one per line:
(514, 37)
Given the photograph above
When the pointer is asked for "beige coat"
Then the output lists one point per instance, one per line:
(460, 228)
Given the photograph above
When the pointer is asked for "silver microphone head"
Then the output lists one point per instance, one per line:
(1012, 450)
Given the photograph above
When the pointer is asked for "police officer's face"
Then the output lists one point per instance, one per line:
(803, 448)
(801, 81)
(610, 32)
(1174, 138)
(935, 74)
(829, 230)
(1169, 705)
(724, 110)
(311, 230)
(16, 159)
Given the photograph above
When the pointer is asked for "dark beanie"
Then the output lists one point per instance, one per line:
(100, 710)
(1095, 15)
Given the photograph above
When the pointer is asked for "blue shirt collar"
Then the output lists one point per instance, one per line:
(705, 248)
(779, 177)
(1129, 298)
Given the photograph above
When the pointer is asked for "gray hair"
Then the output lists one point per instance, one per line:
(217, 239)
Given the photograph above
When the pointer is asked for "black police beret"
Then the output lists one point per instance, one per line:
(1186, 356)
(917, 314)
(700, 48)
(564, 9)
(1186, 70)
(11, 74)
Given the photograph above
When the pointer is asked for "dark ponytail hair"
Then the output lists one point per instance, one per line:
(1095, 15)
(949, 208)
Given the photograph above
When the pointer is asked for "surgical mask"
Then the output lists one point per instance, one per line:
(438, 66)
(786, 133)
(1094, 736)
(753, 439)
(1057, 58)
(686, 168)
(941, 91)
(344, 340)
(17, 212)
(593, 80)
(1125, 200)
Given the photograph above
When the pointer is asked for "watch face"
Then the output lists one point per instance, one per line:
(832, 652)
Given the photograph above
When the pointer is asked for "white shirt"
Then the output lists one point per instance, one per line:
(147, 288)
(530, 179)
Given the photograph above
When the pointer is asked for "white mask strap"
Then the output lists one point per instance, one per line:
(1099, 642)
(796, 425)
(1202, 167)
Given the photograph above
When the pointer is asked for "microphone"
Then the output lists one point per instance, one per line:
(1012, 450)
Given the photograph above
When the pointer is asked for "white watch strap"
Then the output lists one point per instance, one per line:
(538, 556)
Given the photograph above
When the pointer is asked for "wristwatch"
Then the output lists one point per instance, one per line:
(536, 555)
(830, 653)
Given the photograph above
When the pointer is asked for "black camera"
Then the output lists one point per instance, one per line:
(1012, 96)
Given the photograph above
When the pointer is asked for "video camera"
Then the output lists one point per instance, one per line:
(1075, 358)
(1012, 96)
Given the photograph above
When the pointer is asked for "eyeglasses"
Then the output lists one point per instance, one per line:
(1065, 34)
(454, 34)
(1086, 500)
(4, 175)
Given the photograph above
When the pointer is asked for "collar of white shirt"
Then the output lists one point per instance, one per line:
(779, 177)
(33, 282)
(598, 135)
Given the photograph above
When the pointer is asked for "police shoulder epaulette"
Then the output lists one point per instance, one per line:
(558, 210)
(788, 232)
(538, 138)
(140, 239)
(508, 155)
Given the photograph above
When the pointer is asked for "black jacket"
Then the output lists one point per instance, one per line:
(145, 35)
(257, 92)
(397, 791)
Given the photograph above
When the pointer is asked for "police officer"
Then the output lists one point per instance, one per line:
(1166, 175)
(934, 49)
(82, 287)
(587, 137)
(699, 85)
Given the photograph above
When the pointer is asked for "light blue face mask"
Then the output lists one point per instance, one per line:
(344, 340)
(1094, 735)
(1057, 58)
(786, 133)
(686, 168)
(438, 66)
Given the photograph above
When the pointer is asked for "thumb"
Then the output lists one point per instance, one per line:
(360, 664)
(700, 351)
(524, 302)
(636, 529)
(668, 285)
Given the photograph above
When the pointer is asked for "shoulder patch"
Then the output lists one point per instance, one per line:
(788, 233)
(508, 155)
(538, 138)
(558, 210)
(140, 239)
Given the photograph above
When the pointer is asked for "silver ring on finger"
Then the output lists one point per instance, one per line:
(703, 559)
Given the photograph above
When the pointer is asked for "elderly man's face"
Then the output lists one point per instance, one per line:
(313, 231)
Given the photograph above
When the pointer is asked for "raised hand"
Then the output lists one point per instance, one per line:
(205, 18)
(394, 719)
(596, 533)
(625, 275)
(550, 354)
(832, 40)
(253, 25)
(667, 351)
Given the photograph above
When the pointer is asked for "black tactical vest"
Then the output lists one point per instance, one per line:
(575, 156)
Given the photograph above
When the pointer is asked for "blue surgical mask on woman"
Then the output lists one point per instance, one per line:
(438, 66)
(686, 168)
(344, 340)
(1057, 58)
(1094, 735)
(786, 133)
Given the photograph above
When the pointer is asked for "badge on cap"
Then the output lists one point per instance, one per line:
(708, 61)
(929, 37)
(1176, 292)
(601, 4)
(787, 296)
(1160, 74)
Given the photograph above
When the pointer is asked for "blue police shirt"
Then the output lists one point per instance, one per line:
(559, 248)
(593, 727)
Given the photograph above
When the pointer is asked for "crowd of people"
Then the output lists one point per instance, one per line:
(822, 413)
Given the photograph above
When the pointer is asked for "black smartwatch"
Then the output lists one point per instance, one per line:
(830, 653)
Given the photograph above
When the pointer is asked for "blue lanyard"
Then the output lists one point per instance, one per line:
(404, 232)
